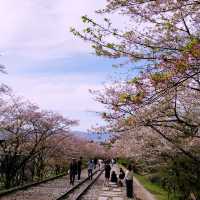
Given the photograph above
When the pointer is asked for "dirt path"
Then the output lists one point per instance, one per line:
(140, 192)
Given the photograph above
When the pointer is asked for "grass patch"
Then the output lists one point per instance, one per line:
(155, 189)
(123, 161)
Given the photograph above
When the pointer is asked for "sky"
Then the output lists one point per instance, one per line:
(46, 64)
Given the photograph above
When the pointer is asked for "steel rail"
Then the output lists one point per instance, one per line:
(71, 190)
(88, 186)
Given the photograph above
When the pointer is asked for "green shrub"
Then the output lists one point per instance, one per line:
(182, 175)
(155, 178)
(124, 161)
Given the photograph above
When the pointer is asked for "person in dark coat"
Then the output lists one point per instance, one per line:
(79, 167)
(95, 163)
(113, 177)
(121, 177)
(107, 172)
(72, 170)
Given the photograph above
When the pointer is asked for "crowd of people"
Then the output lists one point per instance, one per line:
(75, 168)
(119, 179)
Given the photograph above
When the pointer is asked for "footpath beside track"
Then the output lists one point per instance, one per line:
(112, 191)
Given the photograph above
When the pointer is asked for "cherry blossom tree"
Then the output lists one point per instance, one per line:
(28, 132)
(162, 43)
(167, 51)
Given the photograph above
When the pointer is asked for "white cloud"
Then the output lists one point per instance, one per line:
(57, 92)
(41, 28)
(35, 31)
(66, 94)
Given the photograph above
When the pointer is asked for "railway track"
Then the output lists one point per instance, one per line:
(56, 188)
(26, 186)
(80, 189)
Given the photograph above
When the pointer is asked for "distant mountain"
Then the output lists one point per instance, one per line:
(92, 136)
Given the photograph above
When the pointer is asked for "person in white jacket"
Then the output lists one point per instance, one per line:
(129, 181)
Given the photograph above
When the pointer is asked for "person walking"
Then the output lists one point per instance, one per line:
(129, 181)
(90, 168)
(95, 162)
(121, 177)
(99, 164)
(112, 162)
(72, 170)
(107, 172)
(79, 167)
